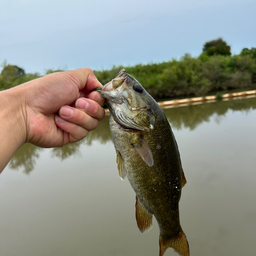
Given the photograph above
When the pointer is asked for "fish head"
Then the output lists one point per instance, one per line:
(129, 102)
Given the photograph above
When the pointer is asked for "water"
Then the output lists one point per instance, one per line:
(71, 201)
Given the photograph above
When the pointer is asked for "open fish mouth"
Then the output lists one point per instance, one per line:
(123, 105)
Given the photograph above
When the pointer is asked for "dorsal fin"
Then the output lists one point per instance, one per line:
(143, 217)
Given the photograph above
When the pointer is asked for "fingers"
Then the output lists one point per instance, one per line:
(86, 81)
(87, 116)
(95, 96)
(84, 77)
(91, 107)
(76, 122)
(73, 132)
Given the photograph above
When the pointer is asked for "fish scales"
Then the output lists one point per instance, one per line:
(148, 154)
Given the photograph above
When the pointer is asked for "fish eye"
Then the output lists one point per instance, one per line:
(138, 88)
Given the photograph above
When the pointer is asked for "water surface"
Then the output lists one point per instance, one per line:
(71, 201)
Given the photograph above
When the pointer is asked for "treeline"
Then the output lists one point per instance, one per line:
(192, 76)
(213, 71)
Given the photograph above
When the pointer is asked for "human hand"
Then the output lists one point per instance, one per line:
(49, 112)
(60, 109)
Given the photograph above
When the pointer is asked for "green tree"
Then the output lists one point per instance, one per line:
(247, 51)
(12, 72)
(12, 75)
(217, 47)
(9, 76)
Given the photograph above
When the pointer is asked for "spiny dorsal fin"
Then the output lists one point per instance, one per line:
(143, 217)
(144, 151)
(178, 243)
(120, 166)
(184, 181)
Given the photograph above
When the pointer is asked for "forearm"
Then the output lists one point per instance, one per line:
(12, 124)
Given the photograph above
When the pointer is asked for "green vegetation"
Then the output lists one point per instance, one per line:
(212, 72)
(217, 47)
(12, 75)
(191, 76)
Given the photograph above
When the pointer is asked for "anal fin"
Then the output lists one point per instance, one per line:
(178, 243)
(120, 166)
(143, 217)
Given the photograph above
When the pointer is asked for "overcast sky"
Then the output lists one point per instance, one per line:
(68, 34)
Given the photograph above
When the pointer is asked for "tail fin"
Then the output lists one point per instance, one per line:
(178, 243)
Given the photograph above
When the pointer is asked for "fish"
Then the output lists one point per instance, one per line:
(148, 155)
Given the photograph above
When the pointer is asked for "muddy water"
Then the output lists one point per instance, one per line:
(71, 201)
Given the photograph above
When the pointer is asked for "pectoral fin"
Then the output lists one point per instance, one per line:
(144, 151)
(120, 166)
(143, 217)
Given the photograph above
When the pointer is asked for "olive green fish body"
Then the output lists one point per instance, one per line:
(159, 187)
(147, 153)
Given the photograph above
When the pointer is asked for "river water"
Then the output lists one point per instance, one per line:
(71, 201)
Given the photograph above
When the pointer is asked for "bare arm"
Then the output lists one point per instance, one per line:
(12, 130)
(49, 112)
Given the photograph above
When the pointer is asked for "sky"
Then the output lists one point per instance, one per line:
(62, 34)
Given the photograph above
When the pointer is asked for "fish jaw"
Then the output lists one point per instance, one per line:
(129, 108)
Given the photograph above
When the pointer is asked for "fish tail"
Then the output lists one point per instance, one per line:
(178, 243)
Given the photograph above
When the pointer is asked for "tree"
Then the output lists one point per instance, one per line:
(247, 51)
(217, 47)
(10, 76)
(11, 72)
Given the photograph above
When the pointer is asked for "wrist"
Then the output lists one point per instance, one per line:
(12, 123)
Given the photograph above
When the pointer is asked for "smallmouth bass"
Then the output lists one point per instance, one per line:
(147, 153)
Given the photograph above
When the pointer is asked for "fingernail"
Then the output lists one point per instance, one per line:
(82, 103)
(66, 112)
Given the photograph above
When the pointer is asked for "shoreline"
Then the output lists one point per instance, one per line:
(206, 99)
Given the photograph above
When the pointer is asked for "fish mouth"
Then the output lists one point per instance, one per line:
(116, 82)
(115, 100)
(113, 84)
(110, 90)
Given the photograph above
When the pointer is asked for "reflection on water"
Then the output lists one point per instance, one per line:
(25, 157)
(192, 116)
(182, 117)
